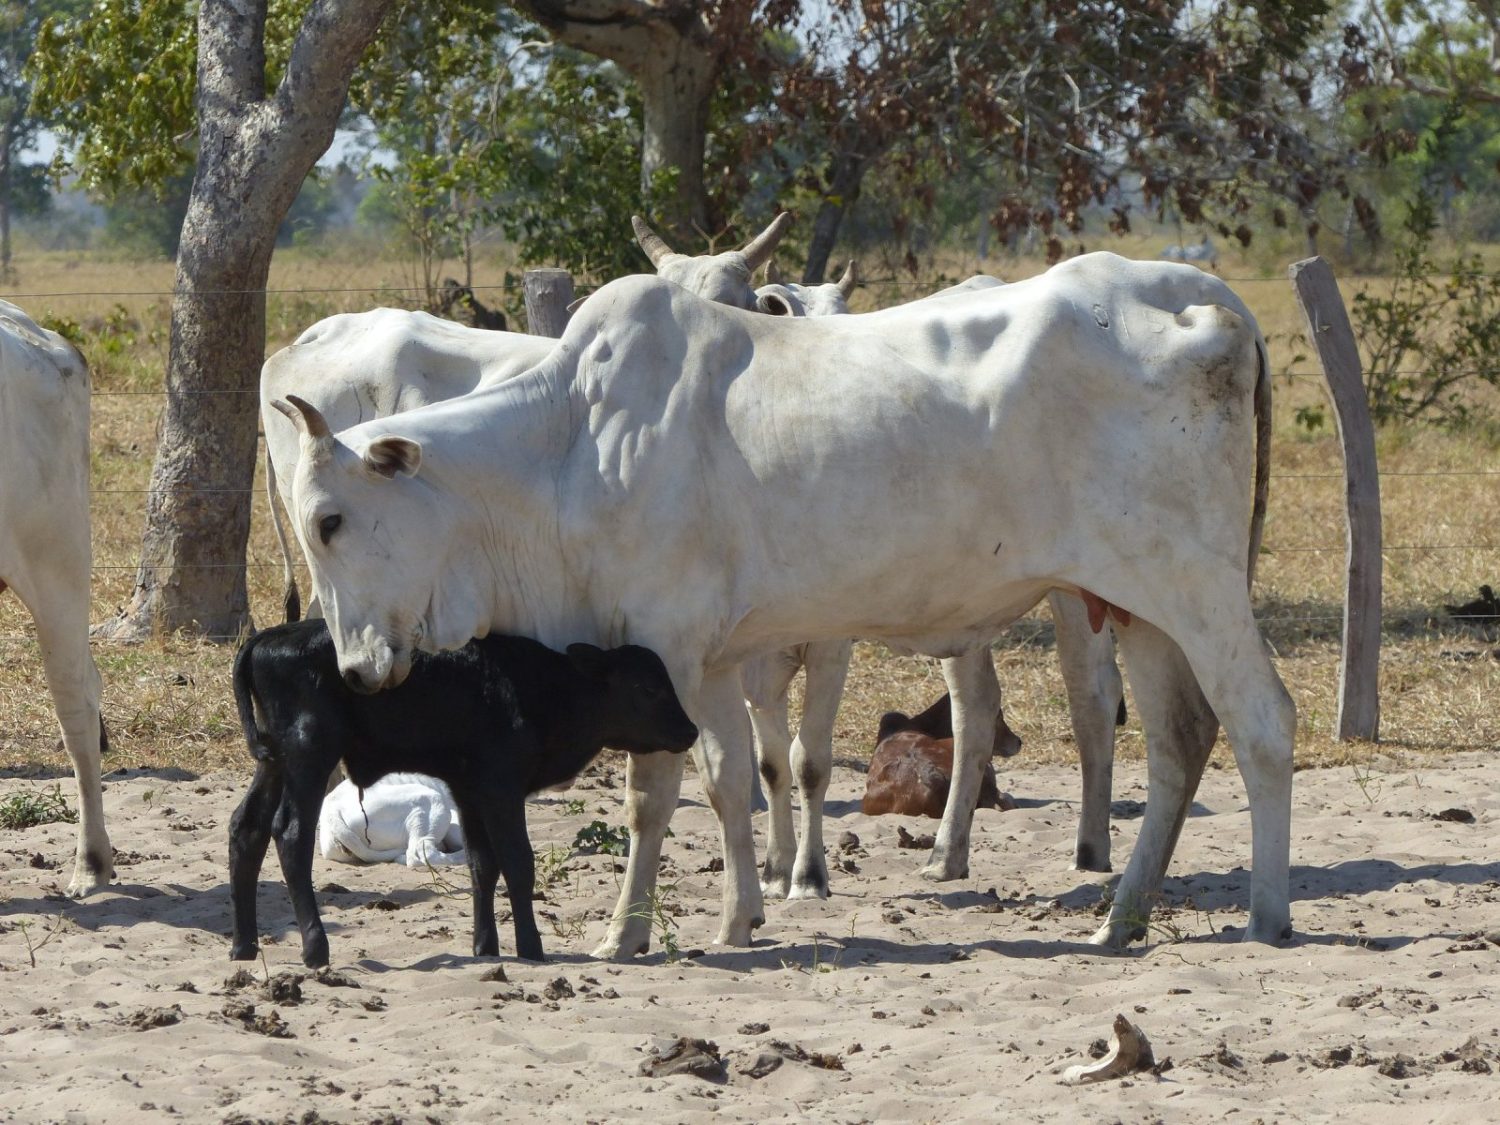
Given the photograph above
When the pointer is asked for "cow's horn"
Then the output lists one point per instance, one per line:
(849, 280)
(773, 273)
(304, 416)
(650, 241)
(758, 250)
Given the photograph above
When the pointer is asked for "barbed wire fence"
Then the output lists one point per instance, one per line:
(1336, 546)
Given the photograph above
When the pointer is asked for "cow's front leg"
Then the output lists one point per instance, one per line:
(723, 757)
(976, 701)
(652, 783)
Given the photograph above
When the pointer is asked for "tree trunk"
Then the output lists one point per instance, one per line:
(6, 274)
(843, 190)
(254, 153)
(673, 52)
(675, 89)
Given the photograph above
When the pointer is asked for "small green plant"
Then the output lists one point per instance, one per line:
(598, 838)
(575, 807)
(29, 808)
(1370, 782)
(657, 911)
(57, 927)
(551, 868)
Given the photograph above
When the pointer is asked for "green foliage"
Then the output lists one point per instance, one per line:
(147, 222)
(29, 808)
(118, 81)
(598, 838)
(1435, 337)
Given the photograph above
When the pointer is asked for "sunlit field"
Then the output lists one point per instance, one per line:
(168, 702)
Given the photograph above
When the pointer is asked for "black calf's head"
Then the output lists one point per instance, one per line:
(638, 709)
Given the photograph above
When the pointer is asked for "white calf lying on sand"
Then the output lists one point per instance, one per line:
(404, 817)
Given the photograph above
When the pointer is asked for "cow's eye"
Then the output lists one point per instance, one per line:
(327, 526)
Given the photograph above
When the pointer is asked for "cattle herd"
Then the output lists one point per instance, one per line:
(523, 550)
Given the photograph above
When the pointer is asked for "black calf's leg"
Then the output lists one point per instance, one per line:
(484, 873)
(507, 828)
(249, 835)
(296, 839)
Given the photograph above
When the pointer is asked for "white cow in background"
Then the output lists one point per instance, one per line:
(405, 818)
(45, 554)
(716, 485)
(1203, 251)
(788, 298)
(358, 366)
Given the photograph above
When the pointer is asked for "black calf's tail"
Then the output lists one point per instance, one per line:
(244, 698)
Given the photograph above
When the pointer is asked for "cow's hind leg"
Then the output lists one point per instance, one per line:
(976, 701)
(1180, 731)
(1094, 694)
(249, 835)
(827, 664)
(58, 601)
(766, 680)
(1216, 630)
(296, 830)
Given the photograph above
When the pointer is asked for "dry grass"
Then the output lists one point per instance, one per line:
(169, 702)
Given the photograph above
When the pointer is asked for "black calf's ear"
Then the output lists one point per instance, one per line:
(588, 659)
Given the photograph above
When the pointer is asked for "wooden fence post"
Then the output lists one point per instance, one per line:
(1328, 328)
(549, 292)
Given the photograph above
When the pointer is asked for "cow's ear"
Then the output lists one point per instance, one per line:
(390, 455)
(588, 659)
(773, 303)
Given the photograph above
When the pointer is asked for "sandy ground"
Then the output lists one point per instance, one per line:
(895, 1000)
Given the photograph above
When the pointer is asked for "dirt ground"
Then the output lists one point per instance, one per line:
(894, 1000)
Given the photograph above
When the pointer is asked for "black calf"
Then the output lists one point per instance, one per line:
(497, 720)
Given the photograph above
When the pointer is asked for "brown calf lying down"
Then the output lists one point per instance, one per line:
(912, 767)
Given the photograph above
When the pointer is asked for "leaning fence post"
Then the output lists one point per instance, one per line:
(1328, 327)
(549, 292)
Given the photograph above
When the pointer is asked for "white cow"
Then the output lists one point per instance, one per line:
(717, 485)
(405, 818)
(358, 366)
(1202, 251)
(45, 554)
(788, 298)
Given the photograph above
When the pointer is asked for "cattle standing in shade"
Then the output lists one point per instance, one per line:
(719, 485)
(45, 553)
(497, 720)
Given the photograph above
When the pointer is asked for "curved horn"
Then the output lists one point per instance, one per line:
(849, 280)
(773, 273)
(758, 250)
(650, 241)
(304, 416)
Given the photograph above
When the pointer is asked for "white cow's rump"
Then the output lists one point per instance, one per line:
(405, 818)
(45, 552)
(718, 485)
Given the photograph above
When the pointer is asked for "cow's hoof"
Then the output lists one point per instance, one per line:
(943, 871)
(809, 886)
(737, 933)
(87, 879)
(1118, 934)
(1269, 933)
(315, 954)
(775, 884)
(244, 952)
(613, 950)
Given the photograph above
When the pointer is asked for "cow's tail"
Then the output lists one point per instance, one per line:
(261, 748)
(291, 599)
(1262, 454)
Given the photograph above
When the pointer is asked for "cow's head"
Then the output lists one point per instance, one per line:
(721, 278)
(372, 535)
(787, 298)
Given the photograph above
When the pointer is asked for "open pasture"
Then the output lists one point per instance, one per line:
(1381, 890)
